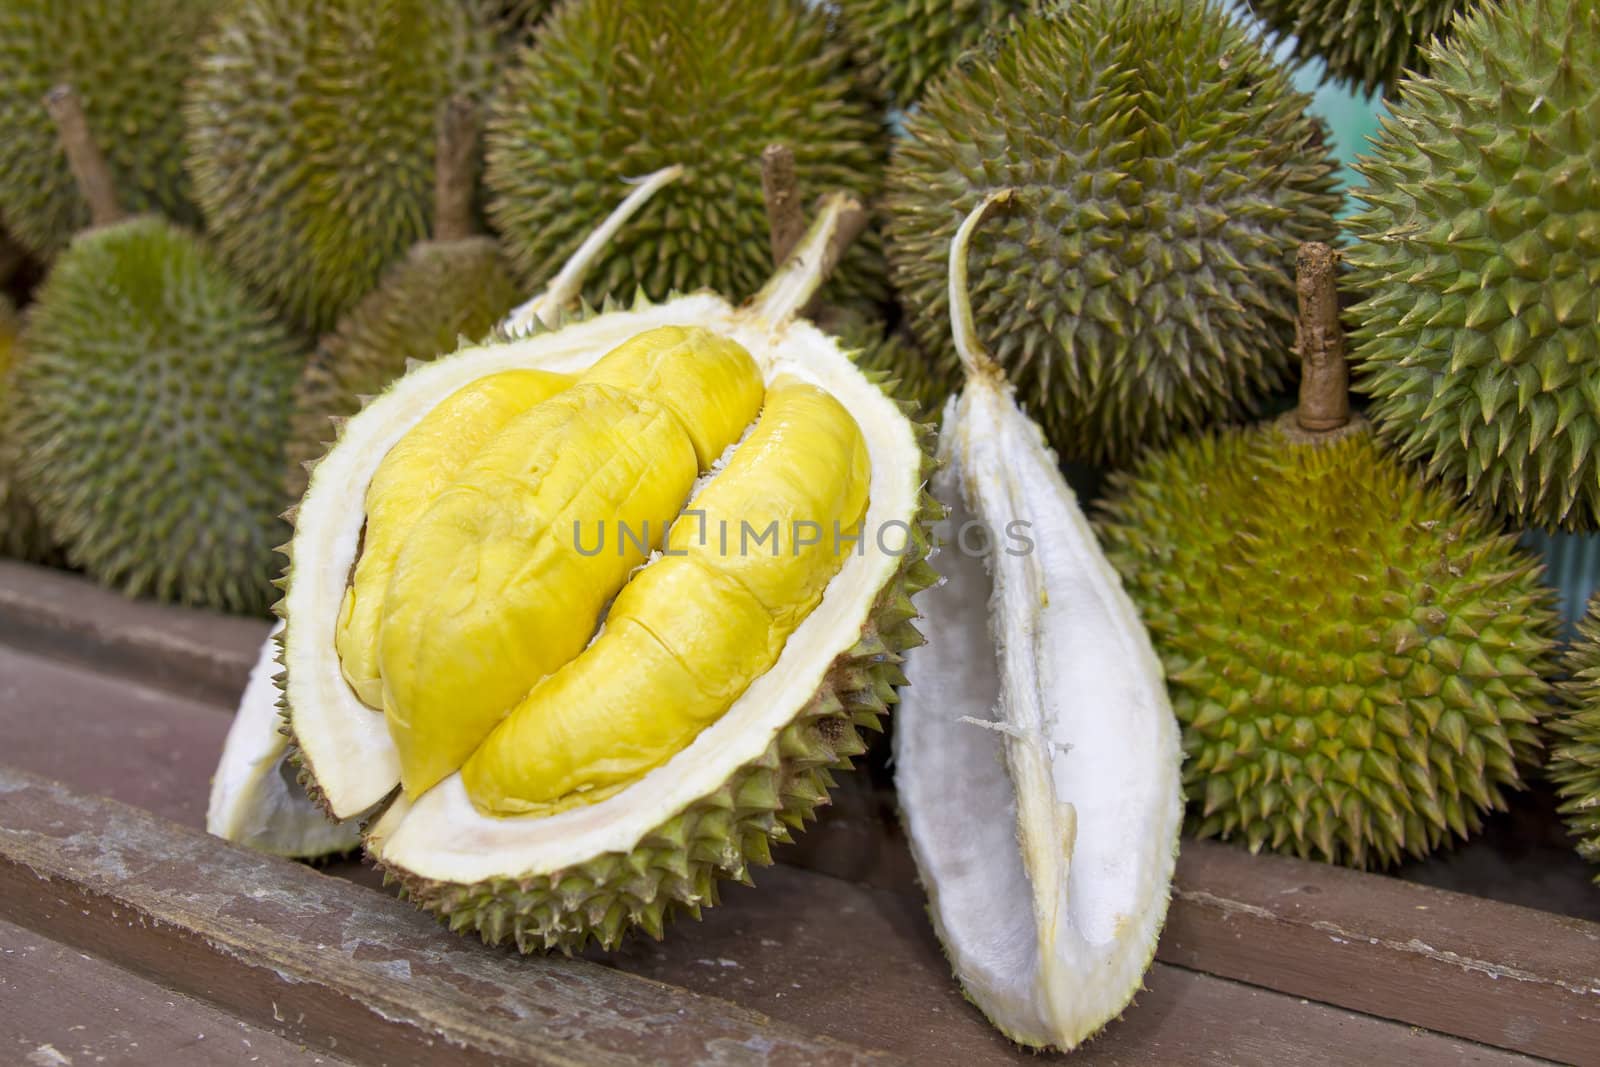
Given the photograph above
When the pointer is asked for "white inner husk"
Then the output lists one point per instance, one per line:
(1047, 841)
(442, 836)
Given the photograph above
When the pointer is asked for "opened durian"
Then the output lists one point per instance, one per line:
(455, 285)
(1036, 755)
(310, 132)
(1574, 763)
(1357, 659)
(1141, 284)
(563, 720)
(1478, 257)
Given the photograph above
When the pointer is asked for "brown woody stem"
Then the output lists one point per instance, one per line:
(779, 187)
(1324, 371)
(88, 163)
(460, 123)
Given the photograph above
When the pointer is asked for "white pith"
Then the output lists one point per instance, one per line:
(441, 836)
(1046, 842)
(255, 800)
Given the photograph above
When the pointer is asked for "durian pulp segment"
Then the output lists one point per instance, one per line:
(424, 461)
(693, 629)
(506, 573)
(1037, 762)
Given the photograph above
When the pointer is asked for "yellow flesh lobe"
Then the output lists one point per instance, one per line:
(692, 630)
(500, 582)
(410, 476)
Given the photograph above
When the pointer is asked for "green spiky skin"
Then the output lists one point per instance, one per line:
(152, 410)
(1357, 661)
(312, 131)
(128, 60)
(22, 535)
(891, 355)
(440, 293)
(907, 43)
(1140, 281)
(1478, 258)
(611, 90)
(1367, 43)
(1574, 763)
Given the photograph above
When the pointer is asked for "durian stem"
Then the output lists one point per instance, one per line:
(563, 290)
(785, 221)
(975, 360)
(840, 220)
(460, 123)
(87, 162)
(1324, 370)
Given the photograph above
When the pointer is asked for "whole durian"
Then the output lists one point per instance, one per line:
(1357, 660)
(1368, 43)
(1574, 763)
(907, 43)
(453, 286)
(613, 89)
(21, 534)
(128, 59)
(1478, 257)
(1139, 282)
(311, 137)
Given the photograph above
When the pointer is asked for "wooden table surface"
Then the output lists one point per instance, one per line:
(127, 935)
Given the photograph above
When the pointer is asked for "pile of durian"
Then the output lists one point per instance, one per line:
(463, 336)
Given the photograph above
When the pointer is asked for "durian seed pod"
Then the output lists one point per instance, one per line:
(151, 408)
(456, 284)
(1142, 284)
(1477, 257)
(1035, 748)
(129, 60)
(1574, 764)
(1369, 43)
(1372, 707)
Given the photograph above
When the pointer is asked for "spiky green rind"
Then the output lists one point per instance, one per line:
(1165, 172)
(1478, 258)
(22, 535)
(905, 44)
(890, 356)
(1574, 763)
(311, 135)
(1357, 661)
(438, 294)
(127, 59)
(1367, 43)
(151, 414)
(611, 90)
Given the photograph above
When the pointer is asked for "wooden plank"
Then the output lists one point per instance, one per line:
(59, 1006)
(199, 654)
(336, 966)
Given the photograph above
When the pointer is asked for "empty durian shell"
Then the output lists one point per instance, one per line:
(256, 798)
(1037, 757)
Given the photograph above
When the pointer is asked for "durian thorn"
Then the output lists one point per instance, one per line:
(459, 125)
(563, 290)
(840, 220)
(84, 158)
(780, 192)
(975, 360)
(1319, 339)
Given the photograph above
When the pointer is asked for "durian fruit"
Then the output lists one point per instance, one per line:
(609, 89)
(522, 782)
(310, 129)
(1368, 43)
(152, 405)
(455, 285)
(1036, 754)
(1478, 258)
(22, 536)
(1574, 763)
(256, 797)
(907, 43)
(1141, 283)
(1358, 660)
(128, 59)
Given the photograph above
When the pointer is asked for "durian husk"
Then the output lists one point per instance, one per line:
(1574, 764)
(22, 533)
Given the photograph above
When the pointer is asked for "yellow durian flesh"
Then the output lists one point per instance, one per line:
(413, 472)
(495, 587)
(745, 564)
